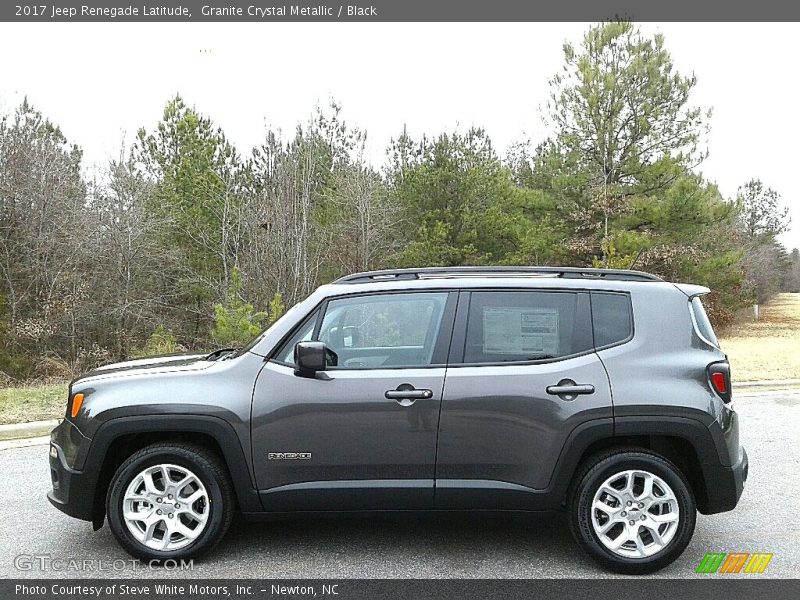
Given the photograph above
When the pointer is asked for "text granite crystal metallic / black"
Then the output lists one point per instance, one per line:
(598, 392)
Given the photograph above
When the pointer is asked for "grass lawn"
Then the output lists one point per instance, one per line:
(768, 348)
(33, 403)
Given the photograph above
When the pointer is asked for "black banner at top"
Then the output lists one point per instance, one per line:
(398, 10)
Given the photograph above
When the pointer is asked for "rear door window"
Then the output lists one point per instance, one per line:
(519, 326)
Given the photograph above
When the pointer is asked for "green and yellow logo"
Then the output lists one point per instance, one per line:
(735, 562)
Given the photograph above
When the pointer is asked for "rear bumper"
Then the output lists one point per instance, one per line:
(721, 462)
(724, 485)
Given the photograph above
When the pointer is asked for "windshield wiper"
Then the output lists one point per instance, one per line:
(221, 353)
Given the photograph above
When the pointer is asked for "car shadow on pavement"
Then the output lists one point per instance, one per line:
(404, 545)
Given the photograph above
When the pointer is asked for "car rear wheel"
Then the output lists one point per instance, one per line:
(632, 511)
(170, 501)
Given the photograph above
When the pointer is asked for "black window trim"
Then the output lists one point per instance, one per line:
(696, 326)
(630, 313)
(458, 345)
(441, 347)
(279, 348)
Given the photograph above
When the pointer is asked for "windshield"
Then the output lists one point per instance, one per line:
(252, 343)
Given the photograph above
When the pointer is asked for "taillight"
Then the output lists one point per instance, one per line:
(719, 375)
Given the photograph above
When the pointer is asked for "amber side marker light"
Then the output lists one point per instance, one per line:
(77, 402)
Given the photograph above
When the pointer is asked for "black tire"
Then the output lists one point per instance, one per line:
(202, 463)
(592, 475)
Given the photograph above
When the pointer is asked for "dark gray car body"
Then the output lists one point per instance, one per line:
(490, 437)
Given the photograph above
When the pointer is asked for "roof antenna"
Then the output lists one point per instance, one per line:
(635, 259)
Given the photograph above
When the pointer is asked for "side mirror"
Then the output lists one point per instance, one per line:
(312, 357)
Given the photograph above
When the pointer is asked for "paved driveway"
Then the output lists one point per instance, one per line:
(430, 547)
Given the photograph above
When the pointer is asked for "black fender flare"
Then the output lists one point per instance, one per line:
(220, 430)
(710, 449)
(707, 446)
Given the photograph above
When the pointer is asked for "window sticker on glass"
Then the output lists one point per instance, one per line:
(510, 330)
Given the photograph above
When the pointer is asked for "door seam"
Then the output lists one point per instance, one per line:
(441, 394)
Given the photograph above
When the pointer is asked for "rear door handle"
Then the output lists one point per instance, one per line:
(567, 389)
(409, 394)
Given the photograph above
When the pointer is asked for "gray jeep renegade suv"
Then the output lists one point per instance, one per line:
(600, 392)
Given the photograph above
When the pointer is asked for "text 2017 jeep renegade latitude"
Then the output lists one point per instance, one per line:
(601, 392)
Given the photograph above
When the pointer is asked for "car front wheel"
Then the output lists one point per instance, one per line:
(632, 511)
(170, 501)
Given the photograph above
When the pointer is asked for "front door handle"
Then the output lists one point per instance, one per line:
(406, 394)
(567, 389)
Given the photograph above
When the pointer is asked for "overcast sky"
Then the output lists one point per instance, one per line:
(101, 82)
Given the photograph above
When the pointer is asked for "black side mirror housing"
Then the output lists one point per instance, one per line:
(311, 358)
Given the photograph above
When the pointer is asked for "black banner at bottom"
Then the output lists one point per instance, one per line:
(360, 589)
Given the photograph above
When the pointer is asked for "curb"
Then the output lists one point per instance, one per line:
(24, 442)
(17, 431)
(769, 383)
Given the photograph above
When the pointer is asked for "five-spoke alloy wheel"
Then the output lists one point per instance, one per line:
(632, 511)
(170, 501)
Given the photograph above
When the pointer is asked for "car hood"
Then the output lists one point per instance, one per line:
(152, 365)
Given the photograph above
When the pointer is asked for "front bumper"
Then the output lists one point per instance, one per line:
(73, 490)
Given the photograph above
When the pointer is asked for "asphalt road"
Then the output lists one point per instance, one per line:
(766, 520)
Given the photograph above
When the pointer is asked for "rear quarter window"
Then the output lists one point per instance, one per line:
(612, 319)
(701, 321)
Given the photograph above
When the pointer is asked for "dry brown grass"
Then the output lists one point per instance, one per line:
(768, 348)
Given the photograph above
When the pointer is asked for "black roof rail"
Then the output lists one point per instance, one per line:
(445, 272)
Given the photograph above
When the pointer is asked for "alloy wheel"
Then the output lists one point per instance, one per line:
(166, 507)
(635, 514)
